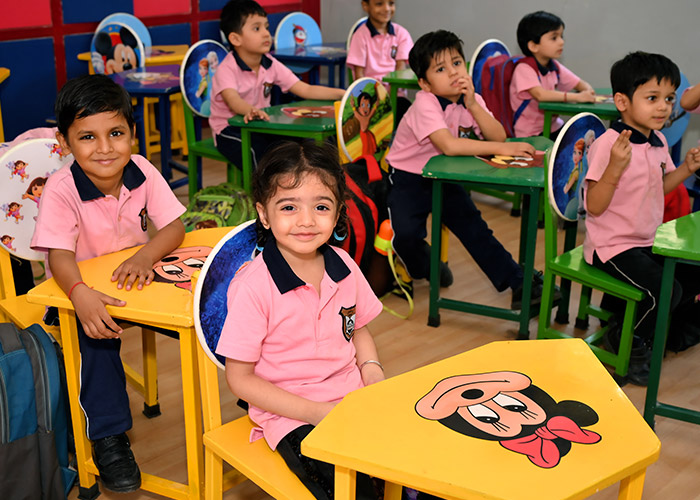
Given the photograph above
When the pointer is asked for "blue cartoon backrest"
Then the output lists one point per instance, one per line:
(115, 48)
(569, 164)
(232, 253)
(488, 48)
(197, 73)
(297, 30)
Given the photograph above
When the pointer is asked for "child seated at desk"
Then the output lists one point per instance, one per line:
(540, 77)
(629, 171)
(98, 205)
(445, 115)
(243, 81)
(380, 46)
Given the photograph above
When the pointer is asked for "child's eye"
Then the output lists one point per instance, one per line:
(439, 70)
(457, 62)
(116, 133)
(322, 208)
(86, 137)
(671, 99)
(651, 98)
(286, 208)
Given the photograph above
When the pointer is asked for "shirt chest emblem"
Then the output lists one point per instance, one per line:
(348, 315)
(143, 214)
(267, 89)
(394, 50)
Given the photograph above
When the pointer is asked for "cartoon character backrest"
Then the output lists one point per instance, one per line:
(197, 72)
(297, 29)
(568, 164)
(365, 121)
(116, 47)
(488, 48)
(27, 165)
(230, 255)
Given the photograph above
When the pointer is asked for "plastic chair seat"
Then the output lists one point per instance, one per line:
(256, 461)
(207, 149)
(571, 265)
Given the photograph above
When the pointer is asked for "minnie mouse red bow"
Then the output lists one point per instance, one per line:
(540, 448)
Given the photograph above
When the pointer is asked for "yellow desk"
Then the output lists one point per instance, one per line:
(378, 430)
(4, 73)
(160, 305)
(158, 56)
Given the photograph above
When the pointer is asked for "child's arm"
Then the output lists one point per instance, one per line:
(691, 98)
(319, 92)
(365, 350)
(245, 384)
(240, 107)
(89, 304)
(543, 95)
(400, 65)
(684, 170)
(584, 86)
(358, 72)
(601, 192)
(140, 265)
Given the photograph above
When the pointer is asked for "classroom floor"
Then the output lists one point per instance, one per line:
(407, 344)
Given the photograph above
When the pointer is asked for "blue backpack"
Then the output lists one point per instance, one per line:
(33, 416)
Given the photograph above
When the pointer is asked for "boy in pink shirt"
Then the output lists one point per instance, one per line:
(541, 36)
(100, 204)
(243, 82)
(380, 46)
(629, 171)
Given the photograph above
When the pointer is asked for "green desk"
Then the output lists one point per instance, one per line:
(280, 124)
(604, 111)
(678, 241)
(476, 174)
(401, 79)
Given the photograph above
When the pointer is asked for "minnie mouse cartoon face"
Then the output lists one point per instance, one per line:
(179, 266)
(118, 50)
(506, 407)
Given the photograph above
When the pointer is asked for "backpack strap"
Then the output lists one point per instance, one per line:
(9, 338)
(530, 61)
(374, 172)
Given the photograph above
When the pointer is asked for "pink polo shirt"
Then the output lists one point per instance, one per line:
(74, 215)
(378, 52)
(531, 121)
(254, 88)
(637, 207)
(412, 147)
(298, 341)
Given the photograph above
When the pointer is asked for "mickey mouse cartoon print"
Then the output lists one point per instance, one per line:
(118, 50)
(506, 407)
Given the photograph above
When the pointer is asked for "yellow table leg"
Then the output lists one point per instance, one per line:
(632, 486)
(392, 491)
(193, 411)
(344, 483)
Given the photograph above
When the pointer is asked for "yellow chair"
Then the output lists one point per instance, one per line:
(230, 441)
(4, 73)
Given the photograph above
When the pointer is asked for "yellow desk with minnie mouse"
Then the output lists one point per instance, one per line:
(495, 422)
(164, 304)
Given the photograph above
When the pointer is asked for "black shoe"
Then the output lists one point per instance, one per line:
(516, 302)
(446, 278)
(640, 355)
(116, 465)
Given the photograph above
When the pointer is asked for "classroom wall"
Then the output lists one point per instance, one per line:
(593, 41)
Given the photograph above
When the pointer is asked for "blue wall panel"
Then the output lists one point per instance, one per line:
(170, 34)
(209, 30)
(80, 11)
(75, 44)
(28, 95)
(211, 4)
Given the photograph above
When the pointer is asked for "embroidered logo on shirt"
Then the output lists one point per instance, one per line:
(663, 168)
(144, 221)
(348, 315)
(466, 132)
(394, 50)
(267, 89)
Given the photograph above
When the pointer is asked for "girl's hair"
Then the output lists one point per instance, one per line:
(39, 181)
(285, 166)
(579, 144)
(204, 62)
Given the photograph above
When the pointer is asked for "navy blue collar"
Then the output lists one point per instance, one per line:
(265, 61)
(637, 137)
(551, 66)
(373, 31)
(284, 277)
(444, 102)
(132, 177)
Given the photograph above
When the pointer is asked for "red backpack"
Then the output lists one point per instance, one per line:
(496, 75)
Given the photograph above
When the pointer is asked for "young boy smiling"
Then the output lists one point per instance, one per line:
(445, 113)
(541, 37)
(629, 171)
(243, 82)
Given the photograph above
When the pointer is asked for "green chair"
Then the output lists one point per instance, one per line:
(570, 265)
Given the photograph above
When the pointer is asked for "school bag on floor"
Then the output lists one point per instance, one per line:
(218, 206)
(33, 416)
(496, 76)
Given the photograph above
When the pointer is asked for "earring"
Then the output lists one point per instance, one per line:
(337, 237)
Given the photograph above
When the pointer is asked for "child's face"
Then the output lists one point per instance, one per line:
(380, 12)
(443, 75)
(650, 106)
(203, 71)
(301, 218)
(101, 144)
(550, 47)
(254, 36)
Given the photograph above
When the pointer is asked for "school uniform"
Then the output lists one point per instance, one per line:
(74, 215)
(410, 196)
(554, 76)
(255, 89)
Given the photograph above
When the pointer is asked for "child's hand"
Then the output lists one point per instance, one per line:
(255, 114)
(583, 96)
(90, 308)
(517, 149)
(621, 153)
(371, 374)
(692, 159)
(137, 267)
(466, 85)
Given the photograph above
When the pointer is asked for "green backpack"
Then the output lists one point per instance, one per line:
(218, 206)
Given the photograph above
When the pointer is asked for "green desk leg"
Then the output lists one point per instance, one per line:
(547, 130)
(526, 257)
(247, 161)
(435, 241)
